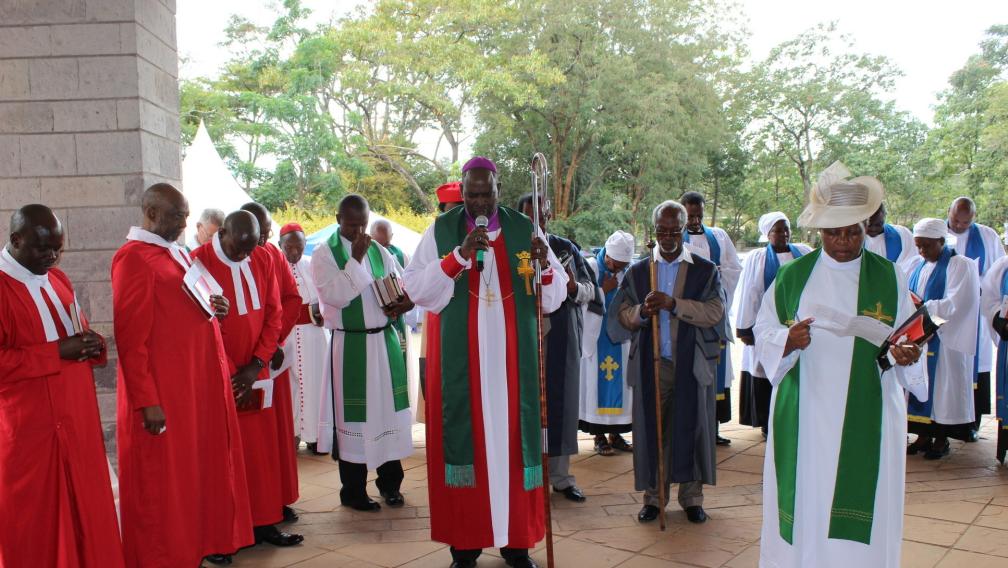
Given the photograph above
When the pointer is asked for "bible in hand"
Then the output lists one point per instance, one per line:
(918, 329)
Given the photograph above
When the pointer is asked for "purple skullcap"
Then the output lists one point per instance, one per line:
(479, 162)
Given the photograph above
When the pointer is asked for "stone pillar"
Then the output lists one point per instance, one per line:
(88, 119)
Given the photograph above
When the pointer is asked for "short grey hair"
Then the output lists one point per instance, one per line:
(212, 217)
(669, 204)
(381, 223)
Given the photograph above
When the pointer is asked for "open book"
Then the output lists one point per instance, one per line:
(918, 329)
(200, 285)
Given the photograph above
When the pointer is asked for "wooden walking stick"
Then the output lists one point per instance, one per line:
(540, 174)
(656, 348)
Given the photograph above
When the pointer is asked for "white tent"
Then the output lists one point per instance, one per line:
(207, 182)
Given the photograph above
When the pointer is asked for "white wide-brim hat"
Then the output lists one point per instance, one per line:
(837, 201)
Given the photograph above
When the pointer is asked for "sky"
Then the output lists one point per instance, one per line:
(927, 39)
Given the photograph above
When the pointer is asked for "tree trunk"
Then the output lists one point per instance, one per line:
(717, 188)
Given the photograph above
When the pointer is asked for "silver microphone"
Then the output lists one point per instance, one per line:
(481, 222)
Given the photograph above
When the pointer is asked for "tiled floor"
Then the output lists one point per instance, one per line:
(956, 515)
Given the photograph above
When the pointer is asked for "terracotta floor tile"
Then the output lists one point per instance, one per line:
(391, 554)
(985, 540)
(958, 511)
(932, 531)
(962, 559)
(919, 555)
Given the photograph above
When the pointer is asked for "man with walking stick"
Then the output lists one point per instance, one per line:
(676, 445)
(474, 267)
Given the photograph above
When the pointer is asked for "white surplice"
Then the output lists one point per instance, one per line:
(729, 270)
(750, 296)
(430, 288)
(877, 244)
(953, 384)
(306, 351)
(993, 250)
(825, 371)
(588, 408)
(991, 299)
(386, 434)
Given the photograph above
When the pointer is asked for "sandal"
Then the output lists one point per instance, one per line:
(617, 441)
(602, 447)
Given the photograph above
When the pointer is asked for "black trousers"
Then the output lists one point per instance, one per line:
(470, 555)
(353, 476)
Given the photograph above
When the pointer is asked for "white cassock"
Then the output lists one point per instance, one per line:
(750, 295)
(588, 408)
(825, 371)
(993, 250)
(306, 350)
(877, 244)
(991, 299)
(386, 434)
(952, 399)
(430, 288)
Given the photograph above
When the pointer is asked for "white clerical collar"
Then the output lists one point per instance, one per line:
(35, 284)
(684, 255)
(239, 270)
(831, 262)
(178, 253)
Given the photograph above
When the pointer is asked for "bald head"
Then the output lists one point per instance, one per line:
(961, 214)
(263, 216)
(36, 238)
(352, 216)
(165, 211)
(239, 235)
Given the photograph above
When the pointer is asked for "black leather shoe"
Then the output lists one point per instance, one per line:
(572, 493)
(696, 514)
(936, 452)
(367, 505)
(721, 441)
(974, 436)
(393, 498)
(647, 514)
(273, 536)
(463, 564)
(219, 559)
(313, 449)
(521, 562)
(289, 515)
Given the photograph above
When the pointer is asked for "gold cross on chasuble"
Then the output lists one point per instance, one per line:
(877, 313)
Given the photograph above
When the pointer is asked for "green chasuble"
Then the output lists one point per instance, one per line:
(355, 353)
(858, 467)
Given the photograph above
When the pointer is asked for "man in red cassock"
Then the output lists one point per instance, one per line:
(56, 507)
(251, 331)
(291, 310)
(183, 492)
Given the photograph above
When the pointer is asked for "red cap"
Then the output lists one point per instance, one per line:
(450, 192)
(290, 228)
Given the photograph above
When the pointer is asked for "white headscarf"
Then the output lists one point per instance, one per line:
(767, 222)
(931, 228)
(620, 246)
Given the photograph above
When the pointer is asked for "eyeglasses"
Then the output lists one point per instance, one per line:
(667, 234)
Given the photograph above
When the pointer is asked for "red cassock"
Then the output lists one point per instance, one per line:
(254, 334)
(183, 493)
(56, 507)
(290, 301)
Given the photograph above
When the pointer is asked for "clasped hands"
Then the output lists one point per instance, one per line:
(655, 302)
(479, 239)
(82, 346)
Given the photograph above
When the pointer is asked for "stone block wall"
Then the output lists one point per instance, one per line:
(88, 119)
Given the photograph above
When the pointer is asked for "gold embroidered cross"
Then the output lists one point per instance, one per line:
(609, 365)
(525, 270)
(877, 313)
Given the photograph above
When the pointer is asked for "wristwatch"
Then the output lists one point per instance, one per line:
(257, 362)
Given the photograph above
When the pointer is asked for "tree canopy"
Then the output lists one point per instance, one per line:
(632, 103)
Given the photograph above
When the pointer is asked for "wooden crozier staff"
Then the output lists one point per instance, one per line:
(656, 350)
(540, 175)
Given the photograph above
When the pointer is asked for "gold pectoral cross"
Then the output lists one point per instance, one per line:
(609, 365)
(525, 270)
(877, 313)
(490, 296)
